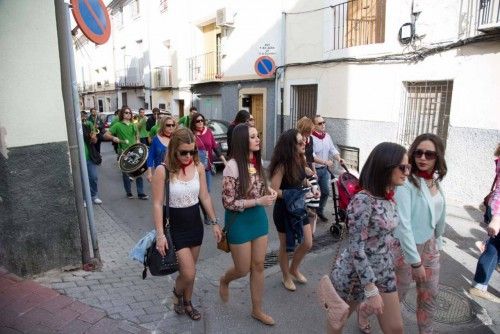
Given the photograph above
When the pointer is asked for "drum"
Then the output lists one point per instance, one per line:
(133, 161)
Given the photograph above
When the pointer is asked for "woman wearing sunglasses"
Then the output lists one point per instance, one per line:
(244, 195)
(364, 272)
(159, 144)
(422, 211)
(187, 188)
(206, 144)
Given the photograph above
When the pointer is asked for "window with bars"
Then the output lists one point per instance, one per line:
(303, 101)
(358, 22)
(425, 109)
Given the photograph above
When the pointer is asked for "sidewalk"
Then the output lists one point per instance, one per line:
(123, 302)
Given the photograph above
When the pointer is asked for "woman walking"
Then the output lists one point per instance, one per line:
(206, 145)
(422, 211)
(187, 187)
(159, 145)
(364, 272)
(244, 195)
(288, 178)
(490, 259)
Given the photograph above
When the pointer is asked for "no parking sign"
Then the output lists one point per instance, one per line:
(265, 67)
(93, 18)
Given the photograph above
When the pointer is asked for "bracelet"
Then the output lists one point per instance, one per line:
(159, 237)
(372, 293)
(213, 221)
(416, 266)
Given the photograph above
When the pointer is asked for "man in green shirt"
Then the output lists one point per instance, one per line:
(141, 126)
(186, 120)
(125, 133)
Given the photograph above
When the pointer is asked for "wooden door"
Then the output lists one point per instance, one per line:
(181, 108)
(257, 110)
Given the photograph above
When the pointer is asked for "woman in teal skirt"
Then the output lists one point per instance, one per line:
(244, 195)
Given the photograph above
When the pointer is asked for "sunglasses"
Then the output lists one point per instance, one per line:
(184, 153)
(321, 123)
(404, 168)
(169, 125)
(127, 112)
(429, 155)
(199, 120)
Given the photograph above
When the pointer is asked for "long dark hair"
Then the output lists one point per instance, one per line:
(240, 154)
(287, 157)
(377, 171)
(122, 110)
(440, 167)
(241, 117)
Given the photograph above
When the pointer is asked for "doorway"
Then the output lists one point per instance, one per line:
(257, 110)
(180, 104)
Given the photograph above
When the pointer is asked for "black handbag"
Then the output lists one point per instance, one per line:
(162, 265)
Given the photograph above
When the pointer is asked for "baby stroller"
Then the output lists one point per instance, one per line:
(343, 189)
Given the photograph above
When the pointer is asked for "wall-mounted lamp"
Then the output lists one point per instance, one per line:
(406, 33)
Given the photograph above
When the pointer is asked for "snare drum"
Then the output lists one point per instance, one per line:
(133, 161)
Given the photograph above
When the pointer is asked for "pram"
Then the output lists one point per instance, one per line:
(344, 187)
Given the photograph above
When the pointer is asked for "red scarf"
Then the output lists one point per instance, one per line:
(168, 136)
(390, 196)
(319, 135)
(253, 161)
(426, 175)
(183, 166)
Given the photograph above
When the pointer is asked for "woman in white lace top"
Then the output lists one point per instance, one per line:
(188, 186)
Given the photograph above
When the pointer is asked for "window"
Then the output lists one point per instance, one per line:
(426, 108)
(358, 22)
(162, 106)
(163, 6)
(303, 101)
(135, 8)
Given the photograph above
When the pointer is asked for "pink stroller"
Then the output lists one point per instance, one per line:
(343, 189)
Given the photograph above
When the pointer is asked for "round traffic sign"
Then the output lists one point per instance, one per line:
(265, 67)
(93, 18)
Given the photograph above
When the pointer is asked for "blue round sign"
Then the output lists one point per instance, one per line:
(265, 67)
(93, 18)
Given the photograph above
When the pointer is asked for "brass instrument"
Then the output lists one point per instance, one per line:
(95, 130)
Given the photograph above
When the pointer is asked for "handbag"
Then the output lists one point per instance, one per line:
(162, 265)
(486, 200)
(223, 244)
(337, 310)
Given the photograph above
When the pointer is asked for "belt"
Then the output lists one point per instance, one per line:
(320, 167)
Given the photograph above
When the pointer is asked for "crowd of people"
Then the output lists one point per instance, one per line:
(395, 221)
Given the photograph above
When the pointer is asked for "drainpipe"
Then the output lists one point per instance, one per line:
(74, 129)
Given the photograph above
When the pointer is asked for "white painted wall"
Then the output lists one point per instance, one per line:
(30, 90)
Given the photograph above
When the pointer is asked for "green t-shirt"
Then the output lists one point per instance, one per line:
(154, 130)
(185, 120)
(141, 126)
(114, 120)
(125, 132)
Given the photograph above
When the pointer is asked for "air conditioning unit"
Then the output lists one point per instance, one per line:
(224, 17)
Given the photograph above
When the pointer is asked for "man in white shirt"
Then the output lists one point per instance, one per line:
(323, 149)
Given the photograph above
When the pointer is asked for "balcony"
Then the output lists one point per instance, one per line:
(130, 77)
(86, 87)
(489, 15)
(358, 22)
(205, 67)
(162, 77)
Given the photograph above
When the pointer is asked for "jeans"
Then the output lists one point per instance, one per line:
(487, 261)
(208, 176)
(324, 186)
(128, 187)
(92, 171)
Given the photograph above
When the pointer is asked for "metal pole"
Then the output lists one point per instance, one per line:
(74, 126)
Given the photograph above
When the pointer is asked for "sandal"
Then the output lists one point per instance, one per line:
(191, 312)
(179, 305)
(363, 321)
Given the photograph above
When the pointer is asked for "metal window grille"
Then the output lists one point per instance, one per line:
(303, 101)
(358, 22)
(425, 109)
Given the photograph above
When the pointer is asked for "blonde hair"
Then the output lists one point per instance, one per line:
(305, 125)
(163, 122)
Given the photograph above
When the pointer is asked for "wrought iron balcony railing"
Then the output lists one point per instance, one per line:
(205, 67)
(162, 77)
(130, 77)
(489, 15)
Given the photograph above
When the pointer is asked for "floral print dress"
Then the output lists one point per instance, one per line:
(368, 257)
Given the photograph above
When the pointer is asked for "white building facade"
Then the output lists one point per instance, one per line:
(389, 70)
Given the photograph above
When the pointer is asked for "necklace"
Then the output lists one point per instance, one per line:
(430, 183)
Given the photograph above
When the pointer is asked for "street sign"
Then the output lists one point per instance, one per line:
(93, 18)
(265, 67)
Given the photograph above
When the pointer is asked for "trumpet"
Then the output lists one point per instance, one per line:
(94, 132)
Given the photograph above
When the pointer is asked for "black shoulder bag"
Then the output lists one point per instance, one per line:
(162, 265)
